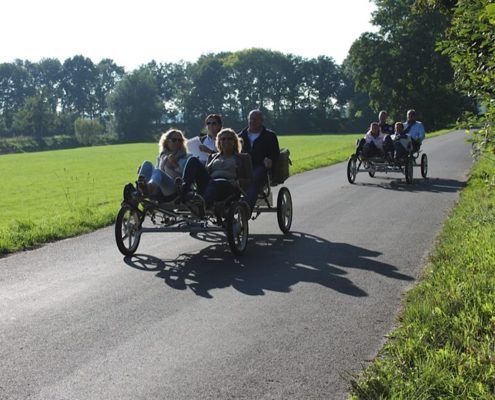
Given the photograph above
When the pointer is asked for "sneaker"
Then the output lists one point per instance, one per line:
(142, 187)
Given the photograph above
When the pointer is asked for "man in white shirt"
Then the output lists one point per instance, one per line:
(204, 145)
(414, 129)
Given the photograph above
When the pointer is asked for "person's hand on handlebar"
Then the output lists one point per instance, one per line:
(268, 163)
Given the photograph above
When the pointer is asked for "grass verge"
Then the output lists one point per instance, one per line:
(444, 347)
(52, 195)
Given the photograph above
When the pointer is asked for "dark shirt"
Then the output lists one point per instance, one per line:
(266, 145)
(386, 129)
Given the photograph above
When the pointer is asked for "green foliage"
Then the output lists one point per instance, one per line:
(136, 105)
(470, 44)
(445, 345)
(35, 118)
(400, 68)
(88, 130)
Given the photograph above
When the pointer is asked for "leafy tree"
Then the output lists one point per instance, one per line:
(108, 73)
(46, 76)
(15, 87)
(400, 68)
(136, 105)
(87, 131)
(35, 118)
(78, 82)
(470, 45)
(208, 92)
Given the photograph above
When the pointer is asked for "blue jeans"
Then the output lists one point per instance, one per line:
(259, 181)
(211, 189)
(159, 183)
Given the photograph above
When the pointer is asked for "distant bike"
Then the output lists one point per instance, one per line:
(403, 165)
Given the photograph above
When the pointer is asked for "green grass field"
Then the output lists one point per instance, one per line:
(56, 194)
(444, 347)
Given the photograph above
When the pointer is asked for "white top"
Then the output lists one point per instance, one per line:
(378, 141)
(253, 136)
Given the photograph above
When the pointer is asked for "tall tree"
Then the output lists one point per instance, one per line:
(108, 73)
(35, 118)
(15, 87)
(136, 105)
(470, 45)
(79, 80)
(400, 68)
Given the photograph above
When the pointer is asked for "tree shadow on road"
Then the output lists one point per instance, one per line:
(432, 185)
(271, 263)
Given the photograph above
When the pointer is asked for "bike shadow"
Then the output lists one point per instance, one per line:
(431, 185)
(271, 263)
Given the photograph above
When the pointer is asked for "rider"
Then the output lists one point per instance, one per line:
(414, 129)
(159, 181)
(388, 131)
(262, 145)
(224, 172)
(402, 142)
(214, 125)
(373, 142)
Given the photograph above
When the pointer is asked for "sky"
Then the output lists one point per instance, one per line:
(133, 33)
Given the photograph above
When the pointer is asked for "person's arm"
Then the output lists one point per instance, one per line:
(422, 132)
(273, 151)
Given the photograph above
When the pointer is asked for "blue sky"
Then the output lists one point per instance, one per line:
(135, 32)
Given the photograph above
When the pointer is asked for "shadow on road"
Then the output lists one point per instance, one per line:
(271, 263)
(432, 185)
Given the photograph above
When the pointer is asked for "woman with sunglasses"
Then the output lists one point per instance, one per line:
(159, 182)
(224, 172)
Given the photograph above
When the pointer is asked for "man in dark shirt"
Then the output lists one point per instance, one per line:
(388, 131)
(385, 128)
(262, 145)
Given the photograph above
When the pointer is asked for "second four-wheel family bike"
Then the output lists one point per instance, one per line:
(404, 165)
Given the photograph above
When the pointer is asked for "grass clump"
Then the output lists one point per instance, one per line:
(444, 347)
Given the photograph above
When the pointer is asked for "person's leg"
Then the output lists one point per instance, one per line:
(195, 172)
(416, 145)
(359, 147)
(217, 190)
(145, 171)
(162, 182)
(259, 180)
(388, 147)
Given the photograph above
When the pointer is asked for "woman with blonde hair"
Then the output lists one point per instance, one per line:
(159, 181)
(225, 171)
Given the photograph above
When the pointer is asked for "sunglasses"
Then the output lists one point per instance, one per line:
(228, 139)
(212, 123)
(175, 140)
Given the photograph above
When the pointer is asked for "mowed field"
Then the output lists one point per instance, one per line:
(56, 194)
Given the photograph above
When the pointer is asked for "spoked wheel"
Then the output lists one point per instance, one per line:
(352, 169)
(127, 230)
(424, 165)
(409, 170)
(237, 227)
(284, 210)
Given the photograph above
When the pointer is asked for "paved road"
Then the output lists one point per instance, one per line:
(294, 318)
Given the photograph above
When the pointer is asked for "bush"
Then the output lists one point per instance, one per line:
(88, 131)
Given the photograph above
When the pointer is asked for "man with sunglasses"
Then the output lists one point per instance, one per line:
(213, 124)
(262, 145)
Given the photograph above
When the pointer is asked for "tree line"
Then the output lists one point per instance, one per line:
(397, 68)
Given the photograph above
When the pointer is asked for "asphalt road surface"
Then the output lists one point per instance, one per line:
(294, 318)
